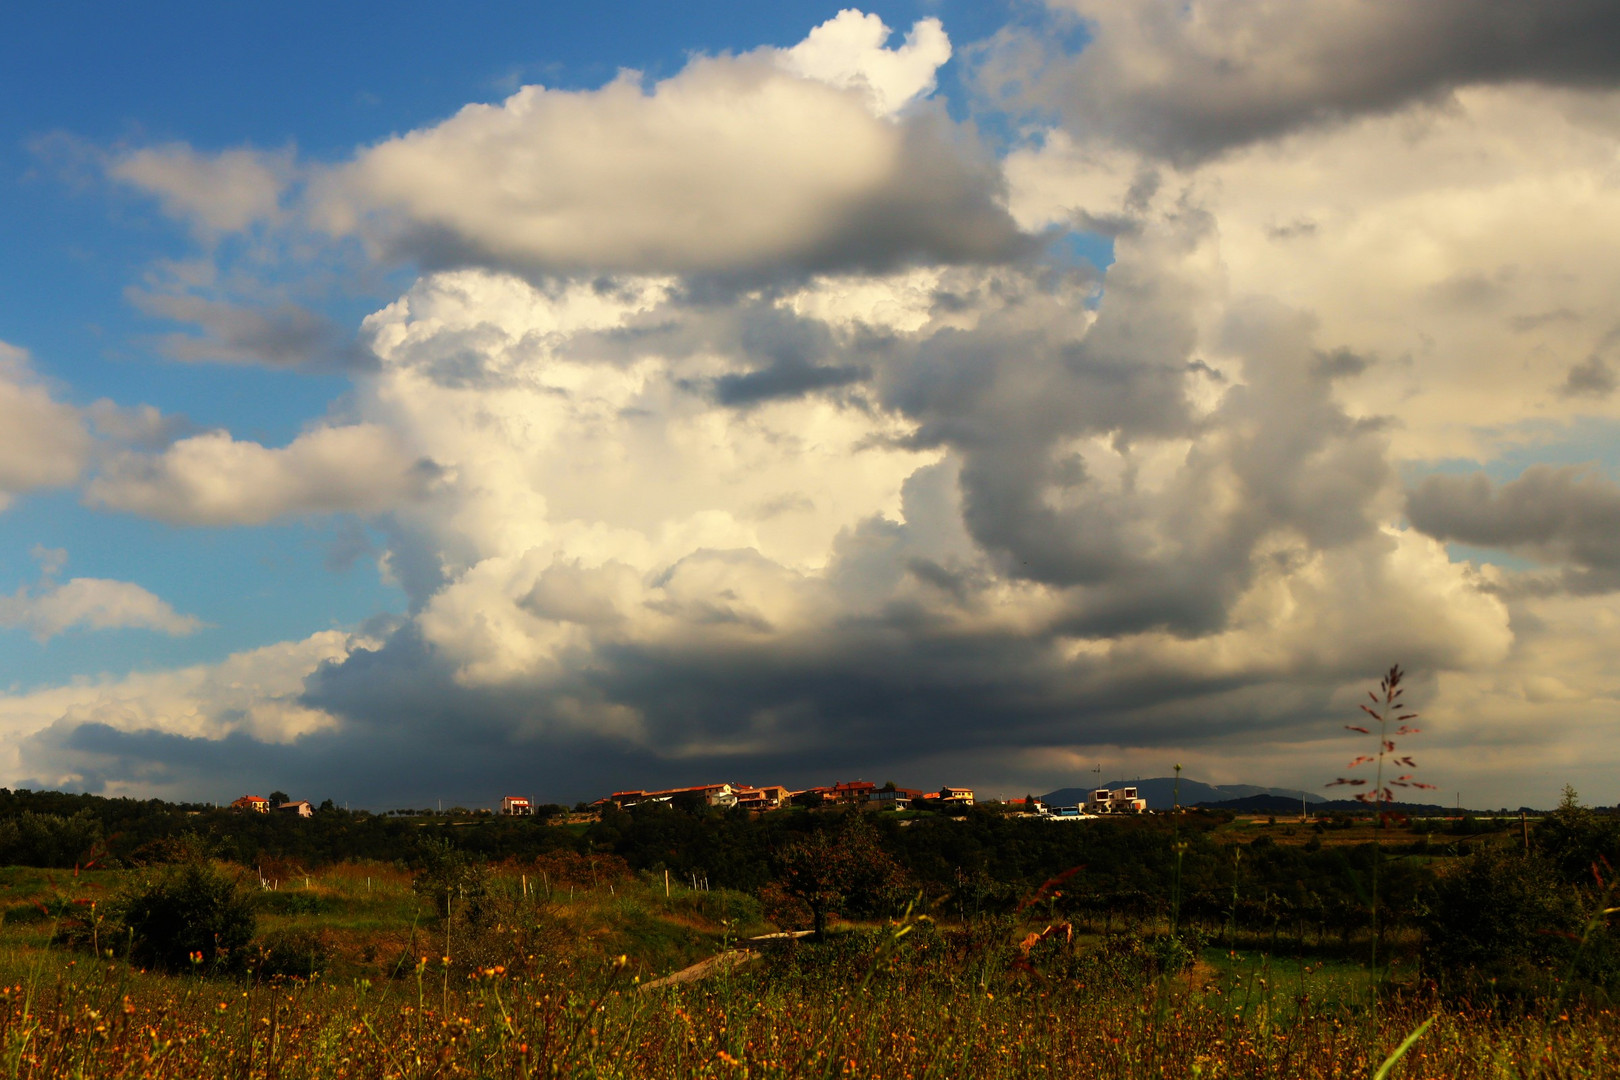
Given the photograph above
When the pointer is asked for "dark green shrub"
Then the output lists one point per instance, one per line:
(294, 954)
(193, 916)
(1171, 954)
(1504, 917)
(453, 882)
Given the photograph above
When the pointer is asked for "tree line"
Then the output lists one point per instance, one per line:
(1490, 905)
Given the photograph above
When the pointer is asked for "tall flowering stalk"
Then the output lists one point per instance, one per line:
(1385, 710)
(1387, 713)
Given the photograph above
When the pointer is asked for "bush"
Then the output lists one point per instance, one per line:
(193, 915)
(1505, 916)
(1171, 954)
(295, 954)
(453, 882)
(782, 908)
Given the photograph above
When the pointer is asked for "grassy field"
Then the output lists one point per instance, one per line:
(548, 983)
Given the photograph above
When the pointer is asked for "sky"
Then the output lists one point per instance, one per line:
(421, 402)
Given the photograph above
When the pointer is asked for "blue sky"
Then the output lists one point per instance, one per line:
(1036, 385)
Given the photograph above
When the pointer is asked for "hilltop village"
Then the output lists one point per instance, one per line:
(859, 794)
(855, 794)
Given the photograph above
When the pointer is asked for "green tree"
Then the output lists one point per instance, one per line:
(832, 870)
(31, 839)
(1575, 840)
(279, 797)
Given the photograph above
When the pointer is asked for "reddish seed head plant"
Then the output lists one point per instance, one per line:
(1386, 710)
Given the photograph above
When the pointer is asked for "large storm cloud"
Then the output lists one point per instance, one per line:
(699, 455)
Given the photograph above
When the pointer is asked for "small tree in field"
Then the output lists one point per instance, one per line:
(191, 916)
(1387, 712)
(829, 870)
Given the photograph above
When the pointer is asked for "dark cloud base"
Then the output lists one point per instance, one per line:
(1565, 516)
(1188, 87)
(889, 700)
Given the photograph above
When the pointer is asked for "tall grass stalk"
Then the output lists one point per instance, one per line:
(1385, 710)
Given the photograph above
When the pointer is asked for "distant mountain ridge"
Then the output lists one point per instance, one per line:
(1160, 792)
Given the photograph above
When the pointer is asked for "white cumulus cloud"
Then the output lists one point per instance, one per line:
(848, 51)
(219, 192)
(93, 604)
(255, 693)
(213, 479)
(43, 442)
(733, 165)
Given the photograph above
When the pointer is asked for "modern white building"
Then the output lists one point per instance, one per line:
(1116, 801)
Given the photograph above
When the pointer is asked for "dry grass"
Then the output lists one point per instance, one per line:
(73, 1019)
(942, 1003)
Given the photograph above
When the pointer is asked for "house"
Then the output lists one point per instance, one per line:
(956, 796)
(724, 795)
(761, 799)
(897, 798)
(516, 806)
(301, 808)
(1031, 806)
(1116, 801)
(257, 804)
(852, 791)
(714, 794)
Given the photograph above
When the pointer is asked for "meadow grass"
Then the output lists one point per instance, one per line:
(76, 1018)
(939, 1002)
